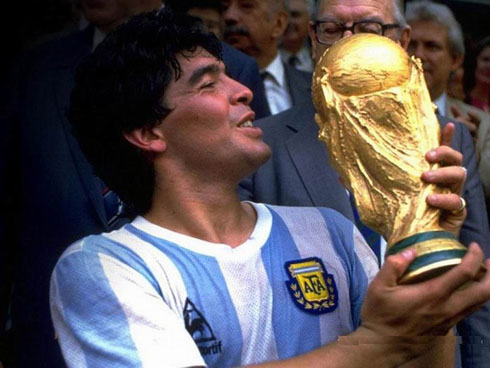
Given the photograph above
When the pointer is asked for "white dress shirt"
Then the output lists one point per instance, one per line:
(276, 86)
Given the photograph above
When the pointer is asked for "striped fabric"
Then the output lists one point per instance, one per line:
(146, 296)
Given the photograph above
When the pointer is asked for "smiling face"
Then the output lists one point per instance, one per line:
(350, 11)
(210, 128)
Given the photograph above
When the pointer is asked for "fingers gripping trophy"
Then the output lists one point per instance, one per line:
(377, 121)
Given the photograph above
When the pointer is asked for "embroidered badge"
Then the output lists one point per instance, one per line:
(311, 287)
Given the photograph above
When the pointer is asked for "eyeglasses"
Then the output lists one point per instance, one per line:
(327, 32)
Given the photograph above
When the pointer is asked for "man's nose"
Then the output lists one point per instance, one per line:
(347, 33)
(240, 93)
(418, 51)
(231, 15)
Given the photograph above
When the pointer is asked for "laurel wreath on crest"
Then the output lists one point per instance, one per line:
(327, 304)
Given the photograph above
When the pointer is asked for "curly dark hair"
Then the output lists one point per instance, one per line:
(121, 87)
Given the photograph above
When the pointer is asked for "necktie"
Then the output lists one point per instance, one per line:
(293, 60)
(372, 237)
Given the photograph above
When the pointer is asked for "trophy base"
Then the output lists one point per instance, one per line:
(437, 252)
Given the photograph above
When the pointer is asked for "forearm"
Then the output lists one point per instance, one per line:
(358, 348)
(441, 355)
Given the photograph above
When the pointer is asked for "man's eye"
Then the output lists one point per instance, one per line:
(433, 46)
(206, 85)
(331, 30)
(247, 4)
(369, 28)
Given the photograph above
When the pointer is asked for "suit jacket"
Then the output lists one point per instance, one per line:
(50, 197)
(298, 174)
(244, 69)
(482, 144)
(299, 84)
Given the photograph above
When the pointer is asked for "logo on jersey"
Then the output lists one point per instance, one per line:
(311, 287)
(200, 330)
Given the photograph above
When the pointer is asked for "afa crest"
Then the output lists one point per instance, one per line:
(311, 287)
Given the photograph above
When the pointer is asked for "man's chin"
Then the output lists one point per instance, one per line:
(238, 42)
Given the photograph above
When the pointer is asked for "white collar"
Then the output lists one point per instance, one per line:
(441, 103)
(276, 71)
(98, 38)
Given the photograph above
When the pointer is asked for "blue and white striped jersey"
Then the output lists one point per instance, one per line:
(146, 296)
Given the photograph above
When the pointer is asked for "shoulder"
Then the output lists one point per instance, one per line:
(295, 75)
(464, 107)
(235, 59)
(115, 251)
(293, 119)
(307, 217)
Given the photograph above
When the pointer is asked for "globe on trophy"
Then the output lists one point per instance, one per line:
(377, 121)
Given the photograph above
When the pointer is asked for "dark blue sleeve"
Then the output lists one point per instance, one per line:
(475, 329)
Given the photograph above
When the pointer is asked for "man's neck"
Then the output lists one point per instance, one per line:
(266, 58)
(206, 212)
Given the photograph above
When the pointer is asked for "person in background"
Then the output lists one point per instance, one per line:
(477, 81)
(437, 40)
(255, 27)
(295, 46)
(477, 88)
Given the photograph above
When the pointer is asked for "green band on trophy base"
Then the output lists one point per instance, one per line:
(437, 251)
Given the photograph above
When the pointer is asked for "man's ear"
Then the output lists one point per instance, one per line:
(457, 62)
(405, 36)
(281, 25)
(148, 139)
(311, 33)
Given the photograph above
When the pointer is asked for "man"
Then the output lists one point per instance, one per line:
(255, 28)
(295, 48)
(437, 40)
(50, 194)
(199, 277)
(299, 174)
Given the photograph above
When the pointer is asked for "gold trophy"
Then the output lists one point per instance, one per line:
(377, 121)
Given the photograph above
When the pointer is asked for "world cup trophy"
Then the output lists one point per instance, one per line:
(377, 121)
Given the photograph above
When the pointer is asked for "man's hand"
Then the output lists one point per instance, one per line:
(450, 174)
(471, 120)
(429, 308)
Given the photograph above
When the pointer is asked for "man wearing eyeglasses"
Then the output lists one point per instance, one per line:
(298, 173)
